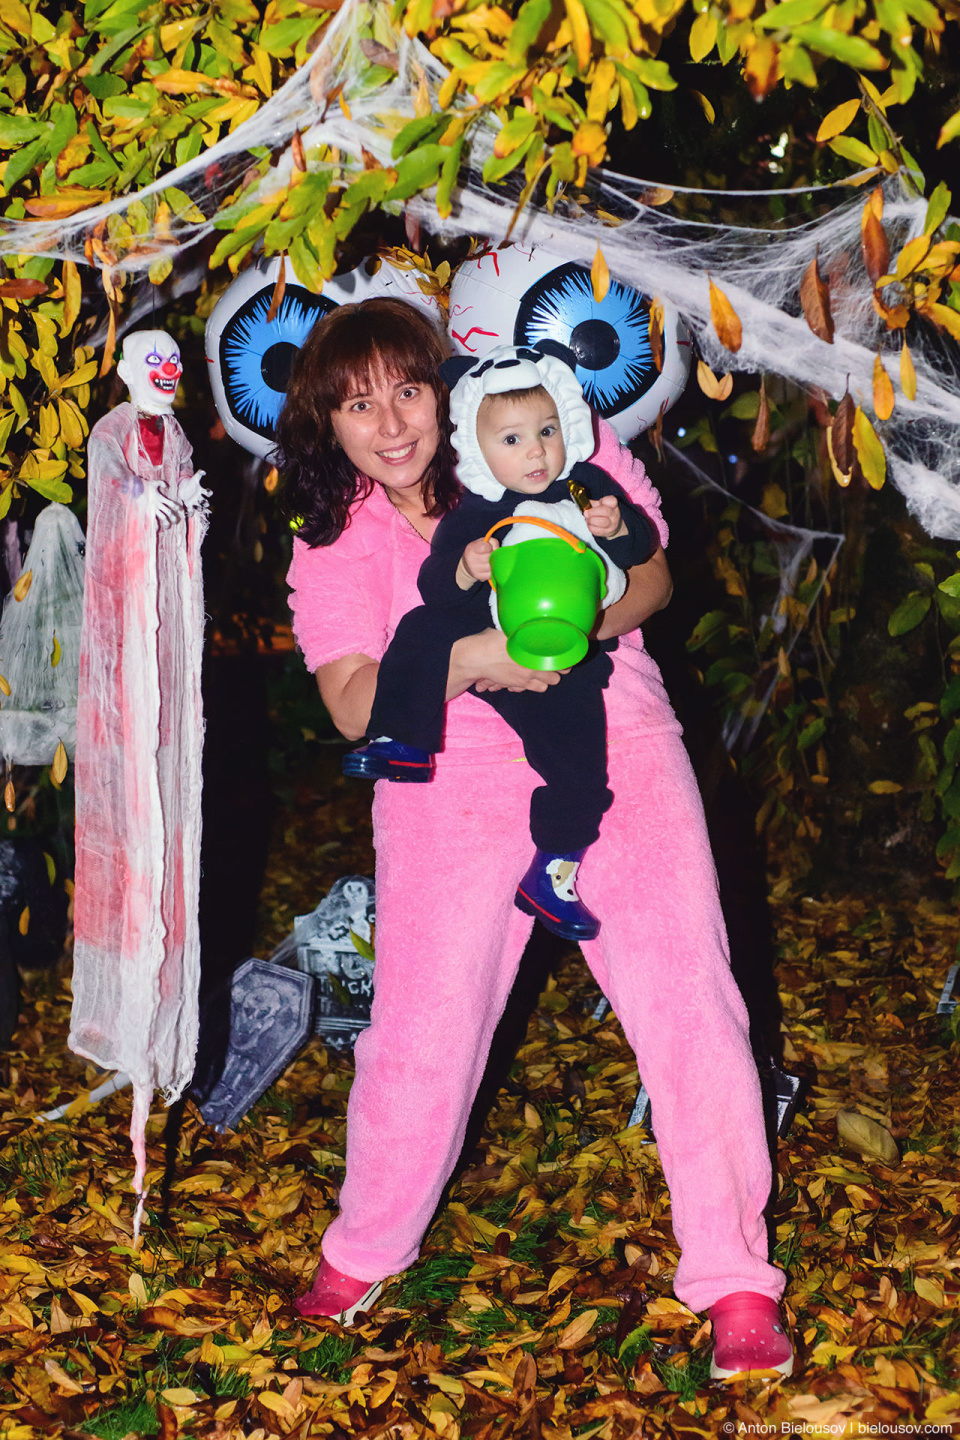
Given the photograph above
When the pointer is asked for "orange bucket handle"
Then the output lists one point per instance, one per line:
(544, 525)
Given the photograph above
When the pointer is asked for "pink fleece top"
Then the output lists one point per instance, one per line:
(348, 598)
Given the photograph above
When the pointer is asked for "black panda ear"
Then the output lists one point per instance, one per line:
(558, 351)
(454, 368)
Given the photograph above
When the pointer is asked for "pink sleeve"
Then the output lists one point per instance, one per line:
(616, 459)
(332, 616)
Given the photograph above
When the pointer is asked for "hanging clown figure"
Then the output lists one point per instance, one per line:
(139, 740)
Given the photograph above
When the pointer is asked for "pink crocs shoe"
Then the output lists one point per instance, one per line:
(337, 1296)
(748, 1338)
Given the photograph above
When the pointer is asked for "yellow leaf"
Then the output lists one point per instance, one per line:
(72, 424)
(868, 1137)
(10, 797)
(713, 388)
(51, 873)
(839, 475)
(870, 452)
(56, 653)
(4, 685)
(837, 121)
(59, 767)
(599, 276)
(270, 1400)
(72, 296)
(882, 391)
(138, 1289)
(580, 32)
(22, 587)
(703, 36)
(908, 375)
(24, 923)
(577, 1330)
(726, 322)
(930, 1291)
(774, 501)
(911, 255)
(705, 106)
(180, 1396)
(884, 787)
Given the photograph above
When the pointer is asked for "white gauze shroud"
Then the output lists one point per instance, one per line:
(136, 970)
(660, 250)
(40, 629)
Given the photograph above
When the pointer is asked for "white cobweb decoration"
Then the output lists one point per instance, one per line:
(338, 99)
(40, 643)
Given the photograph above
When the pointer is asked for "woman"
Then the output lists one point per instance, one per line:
(367, 459)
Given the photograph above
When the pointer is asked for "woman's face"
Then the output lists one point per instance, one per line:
(388, 429)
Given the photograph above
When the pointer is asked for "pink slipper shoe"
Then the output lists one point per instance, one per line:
(337, 1296)
(748, 1338)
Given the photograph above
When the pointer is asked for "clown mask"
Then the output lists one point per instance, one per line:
(151, 370)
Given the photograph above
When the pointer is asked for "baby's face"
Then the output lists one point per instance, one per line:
(521, 441)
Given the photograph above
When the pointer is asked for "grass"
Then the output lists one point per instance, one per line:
(685, 1380)
(431, 1282)
(137, 1416)
(329, 1358)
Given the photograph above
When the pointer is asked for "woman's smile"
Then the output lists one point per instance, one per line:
(388, 429)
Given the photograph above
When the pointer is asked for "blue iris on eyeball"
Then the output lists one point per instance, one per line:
(256, 353)
(609, 337)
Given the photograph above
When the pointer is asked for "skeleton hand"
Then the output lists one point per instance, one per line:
(169, 512)
(192, 494)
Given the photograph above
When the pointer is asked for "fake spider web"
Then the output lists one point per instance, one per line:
(341, 99)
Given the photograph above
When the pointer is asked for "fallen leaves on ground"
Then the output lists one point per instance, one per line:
(542, 1303)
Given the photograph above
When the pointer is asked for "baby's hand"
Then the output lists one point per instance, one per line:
(475, 561)
(604, 519)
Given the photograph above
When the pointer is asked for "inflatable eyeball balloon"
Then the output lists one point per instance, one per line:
(249, 356)
(519, 294)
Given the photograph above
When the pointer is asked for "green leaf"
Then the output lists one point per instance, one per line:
(811, 733)
(414, 133)
(950, 699)
(495, 167)
(951, 745)
(908, 613)
(22, 162)
(791, 13)
(854, 150)
(362, 947)
(57, 490)
(850, 49)
(951, 586)
(417, 171)
(525, 31)
(706, 627)
(19, 129)
(938, 207)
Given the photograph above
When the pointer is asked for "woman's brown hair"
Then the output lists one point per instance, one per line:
(346, 349)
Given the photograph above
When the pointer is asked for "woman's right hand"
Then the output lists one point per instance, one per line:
(482, 660)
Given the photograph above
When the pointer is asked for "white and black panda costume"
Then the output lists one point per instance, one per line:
(564, 728)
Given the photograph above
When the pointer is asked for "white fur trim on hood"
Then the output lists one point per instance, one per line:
(566, 514)
(512, 367)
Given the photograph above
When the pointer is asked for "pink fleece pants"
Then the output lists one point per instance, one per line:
(449, 941)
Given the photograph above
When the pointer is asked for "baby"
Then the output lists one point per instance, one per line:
(523, 434)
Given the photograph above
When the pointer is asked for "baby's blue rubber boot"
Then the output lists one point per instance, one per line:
(549, 892)
(387, 759)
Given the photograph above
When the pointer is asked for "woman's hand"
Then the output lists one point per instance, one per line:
(482, 660)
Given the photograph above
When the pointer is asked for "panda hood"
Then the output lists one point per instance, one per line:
(512, 367)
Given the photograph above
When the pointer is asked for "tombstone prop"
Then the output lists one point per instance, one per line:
(949, 1000)
(780, 1091)
(343, 973)
(250, 1030)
